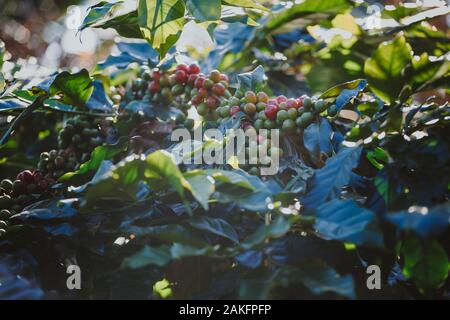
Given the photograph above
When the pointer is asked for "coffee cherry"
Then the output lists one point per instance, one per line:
(271, 112)
(156, 75)
(5, 214)
(189, 123)
(250, 108)
(182, 67)
(177, 89)
(202, 109)
(208, 84)
(259, 124)
(215, 75)
(164, 81)
(181, 76)
(291, 103)
(270, 124)
(250, 97)
(260, 106)
(292, 113)
(191, 79)
(281, 116)
(281, 99)
(218, 89)
(25, 176)
(203, 92)
(305, 120)
(282, 106)
(154, 87)
(307, 103)
(199, 83)
(288, 125)
(193, 69)
(234, 101)
(224, 78)
(5, 202)
(6, 184)
(262, 97)
(234, 110)
(332, 110)
(320, 106)
(225, 111)
(211, 102)
(196, 100)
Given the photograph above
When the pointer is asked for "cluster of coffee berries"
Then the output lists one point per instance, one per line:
(27, 187)
(79, 137)
(289, 115)
(55, 163)
(209, 92)
(259, 153)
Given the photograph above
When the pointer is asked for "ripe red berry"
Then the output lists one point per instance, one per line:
(196, 100)
(37, 176)
(292, 103)
(211, 102)
(281, 99)
(193, 69)
(224, 77)
(271, 111)
(156, 75)
(203, 92)
(234, 110)
(301, 99)
(218, 89)
(154, 87)
(25, 176)
(181, 76)
(183, 67)
(199, 82)
(191, 79)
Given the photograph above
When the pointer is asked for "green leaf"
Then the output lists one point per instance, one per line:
(305, 8)
(161, 22)
(328, 181)
(161, 171)
(76, 89)
(98, 155)
(426, 263)
(422, 221)
(344, 220)
(202, 186)
(204, 10)
(253, 80)
(99, 12)
(385, 69)
(215, 226)
(276, 229)
(250, 4)
(320, 278)
(425, 72)
(126, 25)
(148, 255)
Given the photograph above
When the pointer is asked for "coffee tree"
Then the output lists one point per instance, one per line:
(92, 177)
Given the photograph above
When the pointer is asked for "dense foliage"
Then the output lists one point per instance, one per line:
(90, 175)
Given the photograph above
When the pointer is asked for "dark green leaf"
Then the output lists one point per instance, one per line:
(384, 70)
(345, 221)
